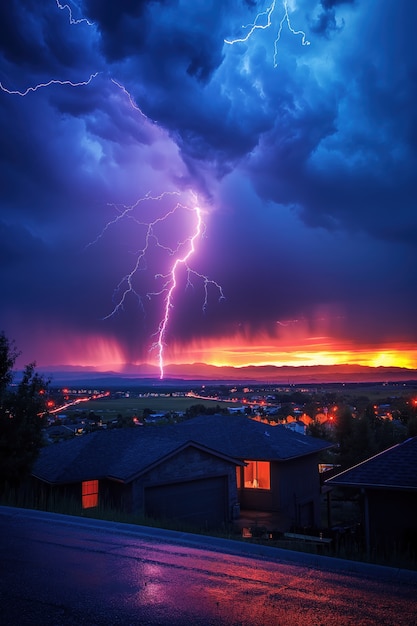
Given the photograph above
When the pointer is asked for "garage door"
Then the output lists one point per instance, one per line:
(201, 502)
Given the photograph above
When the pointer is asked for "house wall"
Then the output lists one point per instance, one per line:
(392, 516)
(259, 499)
(111, 494)
(299, 490)
(189, 464)
(56, 496)
(294, 493)
(115, 495)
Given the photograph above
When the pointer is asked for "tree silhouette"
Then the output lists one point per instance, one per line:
(22, 416)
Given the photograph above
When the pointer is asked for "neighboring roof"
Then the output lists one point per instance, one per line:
(125, 453)
(244, 438)
(395, 468)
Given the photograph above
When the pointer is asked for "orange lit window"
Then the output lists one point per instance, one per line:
(257, 475)
(89, 494)
(239, 477)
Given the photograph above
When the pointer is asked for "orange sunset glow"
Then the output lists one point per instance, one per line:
(234, 352)
(105, 354)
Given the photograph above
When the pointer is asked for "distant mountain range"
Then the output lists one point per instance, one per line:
(307, 374)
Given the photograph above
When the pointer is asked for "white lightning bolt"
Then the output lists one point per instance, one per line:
(71, 19)
(54, 81)
(48, 84)
(255, 25)
(260, 24)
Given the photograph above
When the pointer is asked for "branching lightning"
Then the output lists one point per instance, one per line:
(178, 255)
(181, 254)
(263, 20)
(171, 284)
(255, 25)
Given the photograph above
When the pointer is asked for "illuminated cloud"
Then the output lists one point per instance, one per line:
(306, 171)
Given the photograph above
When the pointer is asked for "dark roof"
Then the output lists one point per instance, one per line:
(125, 453)
(80, 458)
(150, 450)
(121, 454)
(244, 438)
(395, 468)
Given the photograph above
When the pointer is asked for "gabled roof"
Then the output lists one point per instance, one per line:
(244, 438)
(395, 468)
(127, 468)
(122, 454)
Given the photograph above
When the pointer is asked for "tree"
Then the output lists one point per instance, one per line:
(8, 356)
(345, 436)
(364, 444)
(315, 429)
(412, 427)
(22, 416)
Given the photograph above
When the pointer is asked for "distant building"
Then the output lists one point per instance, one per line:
(297, 426)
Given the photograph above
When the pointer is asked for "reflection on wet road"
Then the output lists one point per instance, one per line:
(58, 570)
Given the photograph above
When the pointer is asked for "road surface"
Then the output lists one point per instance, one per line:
(63, 570)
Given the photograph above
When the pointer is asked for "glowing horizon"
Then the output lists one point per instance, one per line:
(101, 353)
(230, 354)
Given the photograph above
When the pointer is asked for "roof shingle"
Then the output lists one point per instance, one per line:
(127, 452)
(244, 438)
(395, 468)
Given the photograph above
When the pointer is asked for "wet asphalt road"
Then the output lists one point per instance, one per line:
(65, 571)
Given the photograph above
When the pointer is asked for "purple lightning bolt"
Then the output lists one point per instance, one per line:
(181, 254)
(171, 285)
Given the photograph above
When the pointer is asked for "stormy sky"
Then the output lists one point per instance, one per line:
(124, 123)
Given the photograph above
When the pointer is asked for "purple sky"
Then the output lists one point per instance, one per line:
(304, 170)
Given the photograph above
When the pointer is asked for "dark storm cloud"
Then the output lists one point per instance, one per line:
(346, 154)
(38, 39)
(329, 4)
(326, 23)
(123, 25)
(168, 32)
(167, 56)
(17, 248)
(307, 168)
(172, 59)
(292, 272)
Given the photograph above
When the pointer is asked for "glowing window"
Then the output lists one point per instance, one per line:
(239, 477)
(89, 494)
(257, 475)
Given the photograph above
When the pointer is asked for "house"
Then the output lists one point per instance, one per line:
(387, 483)
(201, 471)
(280, 473)
(297, 426)
(138, 471)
